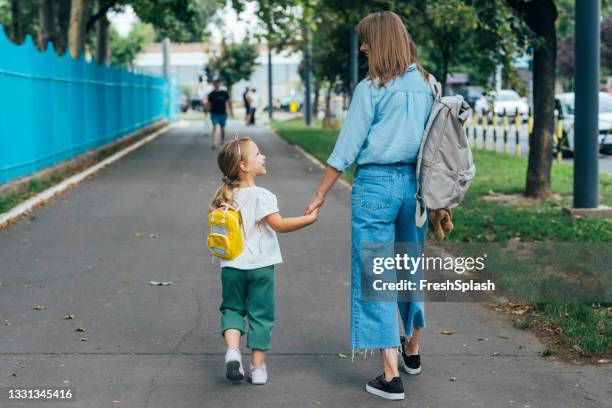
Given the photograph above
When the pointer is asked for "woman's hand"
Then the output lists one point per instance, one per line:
(316, 203)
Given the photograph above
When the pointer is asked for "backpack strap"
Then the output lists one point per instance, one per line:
(436, 87)
(421, 211)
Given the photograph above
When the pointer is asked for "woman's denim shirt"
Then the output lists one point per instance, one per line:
(384, 124)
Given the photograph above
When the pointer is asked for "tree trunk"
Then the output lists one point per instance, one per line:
(76, 30)
(62, 21)
(16, 22)
(540, 16)
(330, 121)
(47, 26)
(445, 62)
(102, 40)
(315, 103)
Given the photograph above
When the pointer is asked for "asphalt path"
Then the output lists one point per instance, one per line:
(93, 251)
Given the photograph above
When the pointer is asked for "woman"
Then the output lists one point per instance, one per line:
(382, 134)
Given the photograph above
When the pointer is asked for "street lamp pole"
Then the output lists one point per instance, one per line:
(270, 106)
(307, 102)
(586, 79)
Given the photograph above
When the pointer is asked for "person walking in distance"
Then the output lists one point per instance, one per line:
(247, 106)
(253, 105)
(219, 102)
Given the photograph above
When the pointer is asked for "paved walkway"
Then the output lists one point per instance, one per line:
(92, 252)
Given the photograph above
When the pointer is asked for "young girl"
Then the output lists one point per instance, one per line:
(248, 280)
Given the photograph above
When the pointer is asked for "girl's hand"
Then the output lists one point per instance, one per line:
(316, 203)
(313, 216)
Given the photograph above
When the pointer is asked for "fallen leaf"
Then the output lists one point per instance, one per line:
(68, 317)
(342, 355)
(482, 339)
(453, 379)
(160, 283)
(80, 329)
(447, 332)
(116, 402)
(503, 337)
(520, 312)
(39, 307)
(496, 353)
(577, 348)
(153, 235)
(83, 339)
(603, 361)
(137, 234)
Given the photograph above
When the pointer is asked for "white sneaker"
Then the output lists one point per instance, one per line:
(233, 365)
(258, 375)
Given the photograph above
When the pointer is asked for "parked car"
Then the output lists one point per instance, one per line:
(197, 104)
(564, 105)
(506, 102)
(471, 94)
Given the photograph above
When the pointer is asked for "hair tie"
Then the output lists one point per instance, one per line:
(229, 180)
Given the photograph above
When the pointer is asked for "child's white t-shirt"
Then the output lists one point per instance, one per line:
(261, 245)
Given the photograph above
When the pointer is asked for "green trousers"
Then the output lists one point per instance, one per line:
(249, 293)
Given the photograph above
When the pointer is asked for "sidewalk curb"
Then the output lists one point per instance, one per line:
(44, 197)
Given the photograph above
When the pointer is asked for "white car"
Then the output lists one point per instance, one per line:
(506, 101)
(564, 105)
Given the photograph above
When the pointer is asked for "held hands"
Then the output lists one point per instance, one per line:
(316, 203)
(313, 216)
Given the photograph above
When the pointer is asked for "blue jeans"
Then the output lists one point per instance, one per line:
(383, 211)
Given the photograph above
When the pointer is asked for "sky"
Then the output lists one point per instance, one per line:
(235, 27)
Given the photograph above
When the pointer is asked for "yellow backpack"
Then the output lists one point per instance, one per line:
(225, 239)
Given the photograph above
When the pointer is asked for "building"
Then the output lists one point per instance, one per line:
(188, 60)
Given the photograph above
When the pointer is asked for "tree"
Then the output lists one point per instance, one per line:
(565, 55)
(76, 31)
(237, 61)
(16, 22)
(123, 50)
(103, 24)
(540, 16)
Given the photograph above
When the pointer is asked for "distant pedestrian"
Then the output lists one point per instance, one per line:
(219, 102)
(253, 105)
(248, 279)
(247, 106)
(382, 133)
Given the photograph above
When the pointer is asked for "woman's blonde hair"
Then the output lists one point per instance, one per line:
(228, 160)
(391, 50)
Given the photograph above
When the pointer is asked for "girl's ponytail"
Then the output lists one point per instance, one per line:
(228, 160)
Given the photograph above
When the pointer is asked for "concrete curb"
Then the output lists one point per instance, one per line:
(16, 213)
(71, 166)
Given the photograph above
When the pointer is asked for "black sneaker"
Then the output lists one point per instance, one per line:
(391, 390)
(410, 364)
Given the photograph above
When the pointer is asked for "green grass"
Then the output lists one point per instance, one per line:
(36, 186)
(476, 220)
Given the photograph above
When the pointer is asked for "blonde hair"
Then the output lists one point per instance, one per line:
(391, 49)
(228, 161)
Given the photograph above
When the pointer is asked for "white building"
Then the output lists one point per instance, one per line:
(187, 62)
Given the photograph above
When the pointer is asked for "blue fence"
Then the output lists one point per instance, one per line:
(53, 108)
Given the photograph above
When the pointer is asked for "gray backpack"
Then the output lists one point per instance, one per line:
(445, 167)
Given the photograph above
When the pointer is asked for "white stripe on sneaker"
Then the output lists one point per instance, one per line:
(384, 394)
